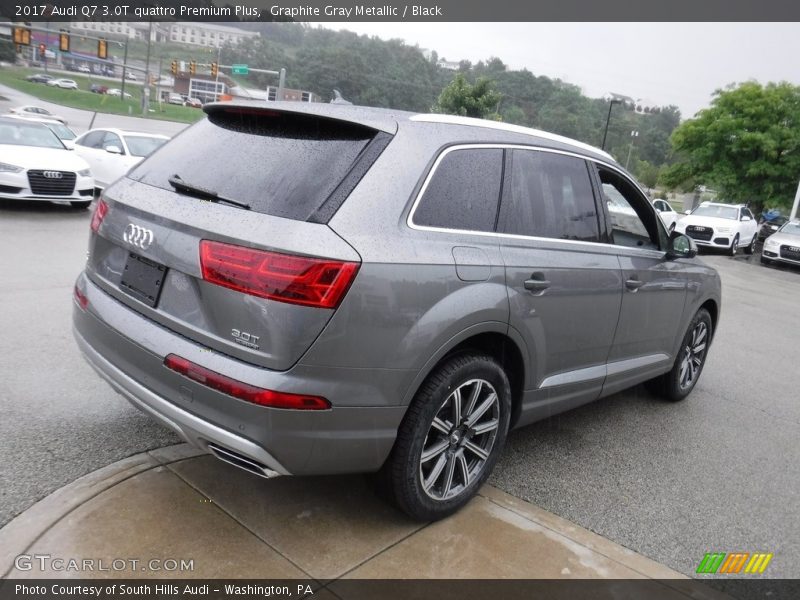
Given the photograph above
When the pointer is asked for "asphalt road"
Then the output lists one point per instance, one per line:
(719, 471)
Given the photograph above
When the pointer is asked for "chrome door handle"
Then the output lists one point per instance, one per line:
(536, 285)
(633, 284)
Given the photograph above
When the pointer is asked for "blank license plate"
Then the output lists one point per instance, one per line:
(142, 279)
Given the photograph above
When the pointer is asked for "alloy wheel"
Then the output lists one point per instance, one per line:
(693, 355)
(460, 440)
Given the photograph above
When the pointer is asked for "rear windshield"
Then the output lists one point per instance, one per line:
(280, 164)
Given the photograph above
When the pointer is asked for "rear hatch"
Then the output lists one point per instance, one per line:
(221, 234)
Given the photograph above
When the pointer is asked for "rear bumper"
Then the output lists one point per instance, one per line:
(191, 428)
(128, 351)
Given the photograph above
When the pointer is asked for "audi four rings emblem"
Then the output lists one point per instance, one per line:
(53, 174)
(138, 236)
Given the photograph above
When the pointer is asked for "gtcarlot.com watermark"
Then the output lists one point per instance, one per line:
(49, 563)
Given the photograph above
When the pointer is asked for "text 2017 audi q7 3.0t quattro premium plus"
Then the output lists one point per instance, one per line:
(325, 289)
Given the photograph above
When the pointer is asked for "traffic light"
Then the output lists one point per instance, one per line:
(63, 41)
(192, 68)
(102, 49)
(22, 36)
(174, 67)
(214, 69)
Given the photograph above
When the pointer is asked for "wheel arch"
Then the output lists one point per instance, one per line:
(497, 340)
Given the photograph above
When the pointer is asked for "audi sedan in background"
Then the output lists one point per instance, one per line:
(783, 246)
(112, 152)
(64, 133)
(35, 165)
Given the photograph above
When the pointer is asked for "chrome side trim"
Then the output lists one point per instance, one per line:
(193, 429)
(576, 376)
(631, 364)
(600, 371)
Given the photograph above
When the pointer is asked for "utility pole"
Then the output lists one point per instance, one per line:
(796, 204)
(634, 135)
(124, 71)
(146, 83)
(281, 85)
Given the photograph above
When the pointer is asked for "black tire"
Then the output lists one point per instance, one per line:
(734, 246)
(672, 385)
(751, 248)
(81, 204)
(402, 475)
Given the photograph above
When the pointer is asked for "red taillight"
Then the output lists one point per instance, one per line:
(80, 298)
(294, 279)
(100, 212)
(244, 391)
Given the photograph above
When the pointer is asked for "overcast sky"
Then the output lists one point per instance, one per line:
(666, 63)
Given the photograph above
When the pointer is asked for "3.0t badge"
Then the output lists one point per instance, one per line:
(138, 236)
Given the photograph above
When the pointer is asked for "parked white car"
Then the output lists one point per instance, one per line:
(112, 152)
(35, 165)
(117, 92)
(36, 112)
(718, 225)
(67, 84)
(668, 215)
(783, 245)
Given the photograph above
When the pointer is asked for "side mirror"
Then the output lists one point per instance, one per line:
(114, 149)
(687, 212)
(681, 246)
(746, 218)
(658, 210)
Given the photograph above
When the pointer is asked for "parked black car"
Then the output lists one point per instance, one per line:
(770, 227)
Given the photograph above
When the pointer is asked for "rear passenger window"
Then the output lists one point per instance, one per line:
(550, 195)
(463, 192)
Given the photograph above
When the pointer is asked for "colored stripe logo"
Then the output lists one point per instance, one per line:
(732, 563)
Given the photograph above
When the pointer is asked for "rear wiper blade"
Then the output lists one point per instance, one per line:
(200, 192)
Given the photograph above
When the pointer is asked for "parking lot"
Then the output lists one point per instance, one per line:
(718, 472)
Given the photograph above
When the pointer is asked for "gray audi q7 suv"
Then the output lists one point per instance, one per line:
(317, 289)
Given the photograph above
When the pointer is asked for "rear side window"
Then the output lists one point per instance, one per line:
(463, 192)
(280, 164)
(549, 195)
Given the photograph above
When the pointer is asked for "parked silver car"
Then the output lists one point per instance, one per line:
(783, 245)
(317, 289)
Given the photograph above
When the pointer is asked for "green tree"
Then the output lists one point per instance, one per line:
(7, 52)
(460, 97)
(746, 145)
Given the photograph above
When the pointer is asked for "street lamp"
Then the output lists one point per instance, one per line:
(634, 135)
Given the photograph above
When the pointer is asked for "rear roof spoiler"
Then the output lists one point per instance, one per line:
(379, 120)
